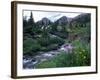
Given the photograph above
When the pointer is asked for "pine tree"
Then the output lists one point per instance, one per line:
(24, 22)
(31, 20)
(31, 25)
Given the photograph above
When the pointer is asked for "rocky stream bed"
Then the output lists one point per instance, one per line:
(29, 62)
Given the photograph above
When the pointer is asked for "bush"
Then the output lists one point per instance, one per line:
(82, 53)
(80, 56)
(45, 41)
(61, 34)
(56, 40)
(52, 47)
(61, 60)
(30, 46)
(49, 47)
(46, 64)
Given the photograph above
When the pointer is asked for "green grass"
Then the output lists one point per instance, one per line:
(80, 56)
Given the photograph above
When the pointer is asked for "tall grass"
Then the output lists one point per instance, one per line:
(80, 56)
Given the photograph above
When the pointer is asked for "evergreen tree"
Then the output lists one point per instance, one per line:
(31, 25)
(24, 22)
(31, 20)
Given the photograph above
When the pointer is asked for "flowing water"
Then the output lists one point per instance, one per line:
(30, 62)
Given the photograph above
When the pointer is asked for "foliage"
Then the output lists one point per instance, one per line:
(53, 36)
(82, 53)
(79, 57)
(30, 46)
(49, 43)
(46, 64)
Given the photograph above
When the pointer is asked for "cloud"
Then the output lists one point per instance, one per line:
(53, 16)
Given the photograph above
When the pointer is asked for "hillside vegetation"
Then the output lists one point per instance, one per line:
(45, 35)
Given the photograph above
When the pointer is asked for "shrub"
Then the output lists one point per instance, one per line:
(80, 56)
(30, 46)
(82, 53)
(45, 41)
(46, 64)
(52, 47)
(61, 60)
(56, 40)
(49, 47)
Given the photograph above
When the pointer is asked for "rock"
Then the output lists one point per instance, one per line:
(47, 55)
(43, 60)
(67, 48)
(30, 62)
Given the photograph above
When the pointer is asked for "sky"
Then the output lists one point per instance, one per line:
(53, 16)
